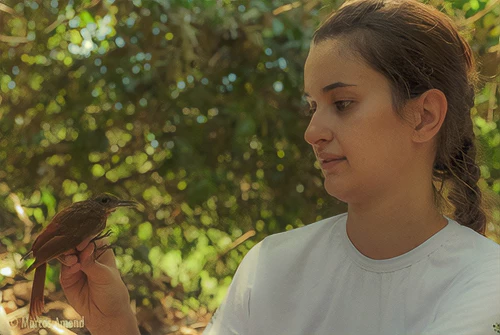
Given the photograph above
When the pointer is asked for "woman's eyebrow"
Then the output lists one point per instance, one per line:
(331, 87)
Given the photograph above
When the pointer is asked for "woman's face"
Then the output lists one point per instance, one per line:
(357, 122)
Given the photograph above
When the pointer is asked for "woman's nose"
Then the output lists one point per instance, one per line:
(317, 131)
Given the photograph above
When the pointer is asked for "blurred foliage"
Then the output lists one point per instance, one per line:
(192, 108)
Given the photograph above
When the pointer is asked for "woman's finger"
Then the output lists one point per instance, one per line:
(86, 253)
(100, 273)
(106, 257)
(70, 252)
(68, 271)
(68, 260)
(84, 243)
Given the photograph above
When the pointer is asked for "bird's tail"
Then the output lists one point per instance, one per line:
(36, 305)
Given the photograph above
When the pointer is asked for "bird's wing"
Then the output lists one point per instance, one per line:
(52, 229)
(66, 222)
(65, 231)
(53, 248)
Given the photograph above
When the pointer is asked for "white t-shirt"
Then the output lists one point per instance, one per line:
(313, 281)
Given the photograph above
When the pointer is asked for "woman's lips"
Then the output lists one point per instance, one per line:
(332, 163)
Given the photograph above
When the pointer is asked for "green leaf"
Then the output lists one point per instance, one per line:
(474, 4)
(49, 201)
(86, 17)
(145, 231)
(170, 263)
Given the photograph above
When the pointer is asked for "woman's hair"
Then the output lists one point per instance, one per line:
(418, 48)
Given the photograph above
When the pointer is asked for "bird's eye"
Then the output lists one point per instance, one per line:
(105, 200)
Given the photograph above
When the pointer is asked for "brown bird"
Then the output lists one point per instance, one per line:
(67, 229)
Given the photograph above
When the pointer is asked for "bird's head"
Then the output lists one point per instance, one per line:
(110, 202)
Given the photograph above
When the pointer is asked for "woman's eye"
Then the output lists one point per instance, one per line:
(341, 106)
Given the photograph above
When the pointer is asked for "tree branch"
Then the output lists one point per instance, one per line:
(481, 13)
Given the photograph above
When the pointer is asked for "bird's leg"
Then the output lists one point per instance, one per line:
(100, 236)
(103, 248)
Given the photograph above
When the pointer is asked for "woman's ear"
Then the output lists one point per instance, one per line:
(429, 111)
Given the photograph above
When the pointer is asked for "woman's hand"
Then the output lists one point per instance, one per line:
(96, 291)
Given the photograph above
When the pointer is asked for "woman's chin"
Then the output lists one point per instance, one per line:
(335, 192)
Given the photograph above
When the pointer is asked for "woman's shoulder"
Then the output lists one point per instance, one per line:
(303, 238)
(472, 242)
(470, 251)
(309, 229)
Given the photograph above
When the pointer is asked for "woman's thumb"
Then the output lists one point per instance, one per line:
(97, 272)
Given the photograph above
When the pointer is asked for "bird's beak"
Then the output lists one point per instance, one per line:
(123, 203)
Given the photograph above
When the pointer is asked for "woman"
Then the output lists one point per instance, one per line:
(390, 85)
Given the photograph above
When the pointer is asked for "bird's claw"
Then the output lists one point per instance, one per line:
(103, 249)
(98, 237)
(101, 236)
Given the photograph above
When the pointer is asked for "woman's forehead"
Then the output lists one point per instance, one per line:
(326, 64)
(333, 54)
